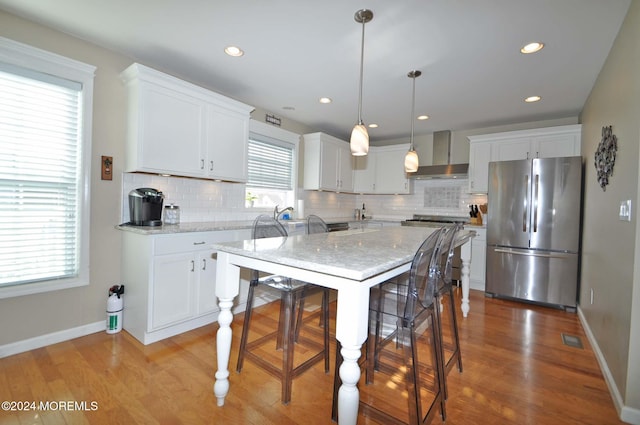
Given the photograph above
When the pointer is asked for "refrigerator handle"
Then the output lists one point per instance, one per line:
(535, 200)
(526, 196)
(515, 251)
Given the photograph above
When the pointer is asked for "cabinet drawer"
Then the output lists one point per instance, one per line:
(196, 241)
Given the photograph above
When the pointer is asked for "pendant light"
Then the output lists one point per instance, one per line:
(411, 159)
(359, 141)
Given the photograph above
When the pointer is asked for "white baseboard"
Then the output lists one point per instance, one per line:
(52, 338)
(626, 414)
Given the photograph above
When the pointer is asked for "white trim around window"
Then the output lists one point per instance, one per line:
(260, 131)
(22, 56)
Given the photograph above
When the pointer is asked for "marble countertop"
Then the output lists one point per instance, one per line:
(212, 226)
(354, 254)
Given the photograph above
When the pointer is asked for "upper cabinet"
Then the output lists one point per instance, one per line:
(547, 142)
(382, 171)
(479, 158)
(178, 128)
(328, 164)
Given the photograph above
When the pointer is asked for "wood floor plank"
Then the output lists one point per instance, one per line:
(516, 371)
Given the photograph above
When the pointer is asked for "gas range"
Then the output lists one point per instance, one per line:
(434, 220)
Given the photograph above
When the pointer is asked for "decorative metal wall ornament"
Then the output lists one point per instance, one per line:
(605, 157)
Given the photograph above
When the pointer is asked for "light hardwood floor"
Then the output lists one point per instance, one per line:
(516, 371)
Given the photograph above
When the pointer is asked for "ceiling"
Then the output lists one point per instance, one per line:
(296, 51)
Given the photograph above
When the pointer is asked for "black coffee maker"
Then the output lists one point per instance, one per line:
(145, 207)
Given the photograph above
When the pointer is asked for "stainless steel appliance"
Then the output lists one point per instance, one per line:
(145, 207)
(439, 221)
(442, 167)
(533, 230)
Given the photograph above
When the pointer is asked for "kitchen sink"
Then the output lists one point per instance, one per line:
(295, 227)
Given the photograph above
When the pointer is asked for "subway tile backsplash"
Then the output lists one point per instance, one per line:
(206, 200)
(429, 197)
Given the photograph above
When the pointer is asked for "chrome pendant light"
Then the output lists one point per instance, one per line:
(411, 159)
(359, 141)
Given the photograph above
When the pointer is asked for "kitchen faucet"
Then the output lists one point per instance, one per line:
(277, 214)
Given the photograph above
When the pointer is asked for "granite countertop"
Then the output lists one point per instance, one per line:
(212, 226)
(354, 254)
(204, 226)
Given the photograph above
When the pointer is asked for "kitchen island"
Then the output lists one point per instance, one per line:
(350, 262)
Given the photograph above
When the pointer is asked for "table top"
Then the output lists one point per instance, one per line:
(353, 254)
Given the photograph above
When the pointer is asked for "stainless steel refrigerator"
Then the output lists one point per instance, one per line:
(533, 230)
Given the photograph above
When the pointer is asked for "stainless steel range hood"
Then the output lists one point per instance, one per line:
(442, 167)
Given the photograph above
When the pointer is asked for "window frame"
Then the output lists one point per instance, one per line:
(25, 56)
(268, 133)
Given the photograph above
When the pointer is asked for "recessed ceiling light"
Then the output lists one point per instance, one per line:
(233, 51)
(373, 125)
(325, 100)
(531, 99)
(423, 117)
(532, 47)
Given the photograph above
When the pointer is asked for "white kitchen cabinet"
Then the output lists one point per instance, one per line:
(547, 142)
(170, 282)
(390, 175)
(364, 172)
(328, 163)
(478, 259)
(178, 128)
(382, 171)
(479, 158)
(227, 139)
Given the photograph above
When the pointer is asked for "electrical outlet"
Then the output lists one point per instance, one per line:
(625, 210)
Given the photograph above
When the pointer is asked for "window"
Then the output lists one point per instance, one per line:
(45, 128)
(272, 167)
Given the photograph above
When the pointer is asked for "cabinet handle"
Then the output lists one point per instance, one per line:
(210, 165)
(193, 266)
(199, 243)
(202, 164)
(204, 264)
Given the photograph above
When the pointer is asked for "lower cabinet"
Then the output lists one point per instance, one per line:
(170, 282)
(478, 259)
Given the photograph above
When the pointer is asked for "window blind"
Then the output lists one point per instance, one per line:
(40, 176)
(269, 165)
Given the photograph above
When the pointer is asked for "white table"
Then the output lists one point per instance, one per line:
(351, 262)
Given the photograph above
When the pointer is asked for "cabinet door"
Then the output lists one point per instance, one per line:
(206, 293)
(227, 145)
(556, 146)
(508, 150)
(172, 291)
(171, 131)
(390, 175)
(364, 173)
(345, 169)
(479, 158)
(329, 166)
(478, 260)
